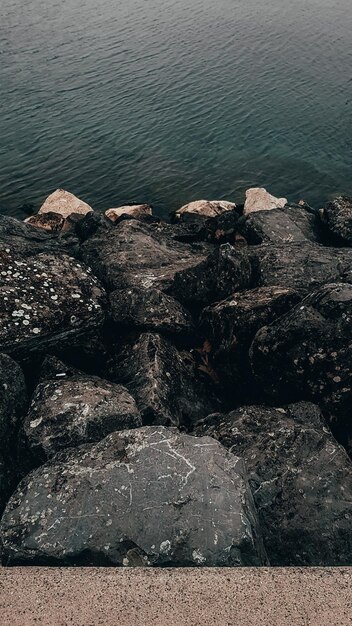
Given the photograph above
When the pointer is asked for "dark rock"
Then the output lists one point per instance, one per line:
(13, 400)
(286, 225)
(165, 382)
(338, 218)
(225, 271)
(150, 309)
(68, 412)
(300, 477)
(307, 353)
(300, 266)
(230, 326)
(149, 496)
(137, 254)
(27, 240)
(91, 224)
(52, 222)
(46, 300)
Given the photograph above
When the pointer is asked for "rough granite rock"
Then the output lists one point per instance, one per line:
(206, 208)
(13, 400)
(287, 225)
(46, 301)
(230, 326)
(259, 199)
(307, 353)
(68, 412)
(300, 266)
(301, 480)
(225, 271)
(52, 222)
(149, 496)
(164, 381)
(337, 216)
(150, 309)
(137, 254)
(27, 240)
(64, 203)
(133, 210)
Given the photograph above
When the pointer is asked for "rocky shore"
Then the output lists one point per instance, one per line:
(177, 393)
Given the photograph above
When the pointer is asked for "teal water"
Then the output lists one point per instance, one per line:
(165, 102)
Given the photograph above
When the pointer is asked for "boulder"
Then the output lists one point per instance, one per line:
(52, 222)
(137, 254)
(144, 497)
(229, 326)
(287, 225)
(307, 353)
(13, 400)
(64, 203)
(206, 208)
(167, 386)
(337, 216)
(69, 411)
(259, 199)
(150, 309)
(302, 266)
(27, 240)
(225, 271)
(46, 300)
(301, 480)
(133, 210)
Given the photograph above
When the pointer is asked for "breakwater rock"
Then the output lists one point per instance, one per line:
(177, 393)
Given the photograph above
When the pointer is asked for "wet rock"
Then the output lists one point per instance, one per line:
(72, 410)
(307, 353)
(133, 210)
(300, 477)
(136, 254)
(13, 400)
(338, 218)
(206, 208)
(287, 225)
(149, 496)
(303, 267)
(46, 300)
(64, 203)
(165, 382)
(258, 199)
(150, 309)
(226, 270)
(230, 326)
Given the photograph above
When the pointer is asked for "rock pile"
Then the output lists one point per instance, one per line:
(177, 394)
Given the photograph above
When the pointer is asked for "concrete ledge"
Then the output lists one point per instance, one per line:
(175, 597)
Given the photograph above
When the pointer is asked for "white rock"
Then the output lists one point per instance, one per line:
(64, 203)
(135, 210)
(207, 208)
(259, 199)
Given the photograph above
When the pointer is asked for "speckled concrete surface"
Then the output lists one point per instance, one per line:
(178, 597)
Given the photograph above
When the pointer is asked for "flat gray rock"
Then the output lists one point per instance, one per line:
(149, 496)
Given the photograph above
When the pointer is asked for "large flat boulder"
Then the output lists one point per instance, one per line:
(137, 254)
(27, 240)
(259, 199)
(166, 383)
(149, 496)
(65, 204)
(280, 226)
(45, 301)
(301, 480)
(206, 208)
(132, 210)
(68, 412)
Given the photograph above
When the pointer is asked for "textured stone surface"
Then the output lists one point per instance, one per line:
(287, 225)
(46, 300)
(300, 477)
(27, 240)
(66, 413)
(150, 309)
(64, 203)
(307, 353)
(134, 210)
(164, 381)
(206, 208)
(136, 254)
(259, 199)
(337, 215)
(230, 327)
(107, 502)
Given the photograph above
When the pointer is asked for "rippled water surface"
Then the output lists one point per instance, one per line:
(165, 102)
